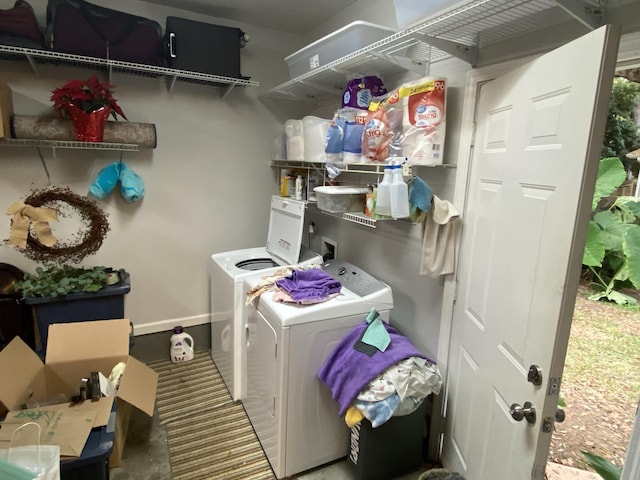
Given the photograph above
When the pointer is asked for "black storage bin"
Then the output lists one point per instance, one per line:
(15, 315)
(15, 321)
(105, 304)
(203, 47)
(390, 450)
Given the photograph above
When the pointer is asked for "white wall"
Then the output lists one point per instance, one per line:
(207, 182)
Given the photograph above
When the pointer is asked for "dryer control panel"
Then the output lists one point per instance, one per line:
(353, 278)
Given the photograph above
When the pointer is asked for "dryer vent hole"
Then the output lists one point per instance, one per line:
(329, 249)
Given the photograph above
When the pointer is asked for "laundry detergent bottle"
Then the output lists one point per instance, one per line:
(181, 346)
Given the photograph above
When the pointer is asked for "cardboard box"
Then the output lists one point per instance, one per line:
(6, 110)
(74, 350)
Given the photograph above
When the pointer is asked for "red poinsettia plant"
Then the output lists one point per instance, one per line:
(89, 95)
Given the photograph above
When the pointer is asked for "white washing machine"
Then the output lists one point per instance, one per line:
(228, 271)
(291, 410)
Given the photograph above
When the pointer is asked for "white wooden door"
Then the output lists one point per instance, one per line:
(531, 180)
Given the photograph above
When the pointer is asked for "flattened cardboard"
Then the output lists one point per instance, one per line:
(67, 428)
(6, 110)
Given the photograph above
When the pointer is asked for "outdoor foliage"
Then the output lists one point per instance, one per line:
(603, 467)
(612, 250)
(621, 134)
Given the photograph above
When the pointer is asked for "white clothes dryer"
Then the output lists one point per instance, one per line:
(228, 271)
(291, 410)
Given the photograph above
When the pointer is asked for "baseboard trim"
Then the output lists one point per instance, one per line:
(168, 324)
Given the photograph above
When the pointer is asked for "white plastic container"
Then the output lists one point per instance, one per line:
(299, 187)
(398, 194)
(338, 198)
(343, 41)
(315, 138)
(181, 346)
(410, 12)
(293, 130)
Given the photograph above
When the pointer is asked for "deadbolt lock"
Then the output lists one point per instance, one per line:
(535, 375)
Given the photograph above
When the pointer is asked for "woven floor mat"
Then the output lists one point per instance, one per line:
(210, 437)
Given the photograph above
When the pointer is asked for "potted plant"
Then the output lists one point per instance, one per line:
(88, 103)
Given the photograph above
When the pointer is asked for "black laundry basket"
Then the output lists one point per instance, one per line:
(390, 450)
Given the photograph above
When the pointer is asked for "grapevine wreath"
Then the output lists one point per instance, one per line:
(86, 242)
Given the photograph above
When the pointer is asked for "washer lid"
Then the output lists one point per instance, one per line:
(286, 223)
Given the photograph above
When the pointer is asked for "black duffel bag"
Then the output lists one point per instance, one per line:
(19, 27)
(81, 28)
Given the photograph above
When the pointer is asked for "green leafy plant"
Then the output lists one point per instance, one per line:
(621, 132)
(612, 250)
(56, 281)
(603, 467)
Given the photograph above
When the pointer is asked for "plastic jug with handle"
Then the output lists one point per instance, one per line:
(181, 346)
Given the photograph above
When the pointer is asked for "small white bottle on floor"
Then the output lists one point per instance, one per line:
(181, 346)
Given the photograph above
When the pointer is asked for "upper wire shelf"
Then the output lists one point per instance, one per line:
(71, 144)
(36, 56)
(459, 32)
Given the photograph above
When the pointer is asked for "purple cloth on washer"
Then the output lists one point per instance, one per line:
(347, 371)
(312, 284)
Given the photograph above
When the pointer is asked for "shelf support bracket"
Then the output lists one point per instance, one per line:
(589, 15)
(411, 64)
(33, 64)
(172, 82)
(319, 87)
(467, 53)
(227, 90)
(44, 164)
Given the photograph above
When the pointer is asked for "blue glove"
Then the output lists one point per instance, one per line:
(106, 181)
(131, 185)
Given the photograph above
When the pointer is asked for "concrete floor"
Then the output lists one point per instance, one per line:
(146, 455)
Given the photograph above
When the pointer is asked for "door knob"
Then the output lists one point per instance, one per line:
(528, 412)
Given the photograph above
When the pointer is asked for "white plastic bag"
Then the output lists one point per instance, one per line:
(42, 460)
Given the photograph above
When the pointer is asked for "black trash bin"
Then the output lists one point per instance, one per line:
(15, 317)
(390, 450)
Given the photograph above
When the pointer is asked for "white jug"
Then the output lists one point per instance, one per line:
(181, 346)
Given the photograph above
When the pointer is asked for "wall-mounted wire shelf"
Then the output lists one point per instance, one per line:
(36, 57)
(462, 32)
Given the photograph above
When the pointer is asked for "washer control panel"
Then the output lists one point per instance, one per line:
(353, 277)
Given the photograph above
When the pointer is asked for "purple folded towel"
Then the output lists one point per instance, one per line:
(312, 284)
(347, 371)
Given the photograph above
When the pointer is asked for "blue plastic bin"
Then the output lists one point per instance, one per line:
(93, 463)
(105, 304)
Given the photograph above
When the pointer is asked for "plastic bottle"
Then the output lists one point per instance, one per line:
(299, 187)
(285, 179)
(383, 197)
(181, 346)
(399, 194)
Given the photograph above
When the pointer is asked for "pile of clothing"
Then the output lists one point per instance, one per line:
(303, 285)
(376, 373)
